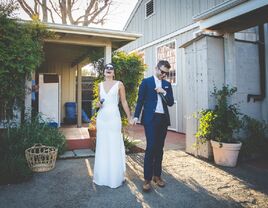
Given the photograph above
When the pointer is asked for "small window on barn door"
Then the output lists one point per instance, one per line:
(149, 8)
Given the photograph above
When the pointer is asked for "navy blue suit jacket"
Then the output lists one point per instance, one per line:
(147, 98)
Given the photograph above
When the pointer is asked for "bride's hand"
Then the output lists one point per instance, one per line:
(130, 121)
(98, 105)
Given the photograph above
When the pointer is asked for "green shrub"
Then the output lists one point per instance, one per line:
(255, 142)
(17, 138)
(128, 142)
(21, 52)
(222, 123)
(129, 68)
(14, 169)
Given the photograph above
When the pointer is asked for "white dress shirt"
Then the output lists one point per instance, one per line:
(159, 107)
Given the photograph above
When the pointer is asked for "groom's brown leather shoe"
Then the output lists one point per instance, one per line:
(146, 187)
(158, 180)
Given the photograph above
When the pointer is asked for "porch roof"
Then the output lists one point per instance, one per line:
(116, 36)
(75, 43)
(234, 15)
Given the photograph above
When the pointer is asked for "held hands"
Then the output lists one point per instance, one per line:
(132, 121)
(135, 120)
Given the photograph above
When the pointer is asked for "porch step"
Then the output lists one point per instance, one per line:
(73, 144)
(77, 153)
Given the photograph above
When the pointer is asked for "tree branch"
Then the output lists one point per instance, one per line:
(93, 17)
(26, 8)
(54, 8)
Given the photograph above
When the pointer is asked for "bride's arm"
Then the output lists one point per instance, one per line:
(122, 93)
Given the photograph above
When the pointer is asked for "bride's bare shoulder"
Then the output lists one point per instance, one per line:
(119, 82)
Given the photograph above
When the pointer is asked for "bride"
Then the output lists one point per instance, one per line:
(109, 167)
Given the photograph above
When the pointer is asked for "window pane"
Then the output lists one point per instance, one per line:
(168, 52)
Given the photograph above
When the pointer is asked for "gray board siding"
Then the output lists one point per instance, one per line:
(170, 15)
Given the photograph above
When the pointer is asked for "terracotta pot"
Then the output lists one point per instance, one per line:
(225, 154)
(92, 143)
(92, 132)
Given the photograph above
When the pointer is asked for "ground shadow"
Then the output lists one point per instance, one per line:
(177, 193)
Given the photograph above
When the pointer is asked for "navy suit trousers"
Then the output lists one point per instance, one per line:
(155, 136)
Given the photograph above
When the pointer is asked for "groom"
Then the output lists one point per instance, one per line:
(155, 94)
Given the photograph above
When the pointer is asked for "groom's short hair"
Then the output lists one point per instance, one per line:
(163, 63)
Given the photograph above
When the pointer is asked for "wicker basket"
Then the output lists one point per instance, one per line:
(41, 158)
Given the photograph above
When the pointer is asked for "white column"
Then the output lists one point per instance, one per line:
(229, 60)
(108, 53)
(79, 97)
(28, 98)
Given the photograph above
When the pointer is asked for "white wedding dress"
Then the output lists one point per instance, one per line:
(109, 167)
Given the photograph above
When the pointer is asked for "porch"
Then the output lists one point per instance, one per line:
(78, 138)
(66, 54)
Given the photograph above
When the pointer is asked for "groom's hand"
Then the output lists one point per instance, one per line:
(160, 90)
(135, 120)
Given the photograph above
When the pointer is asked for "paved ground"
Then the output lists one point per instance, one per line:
(190, 183)
(174, 140)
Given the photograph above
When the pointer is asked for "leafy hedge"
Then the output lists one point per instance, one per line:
(129, 68)
(21, 52)
(16, 139)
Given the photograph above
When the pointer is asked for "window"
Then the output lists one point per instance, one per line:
(149, 8)
(168, 52)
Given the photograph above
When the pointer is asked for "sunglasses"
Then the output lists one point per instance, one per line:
(109, 67)
(163, 72)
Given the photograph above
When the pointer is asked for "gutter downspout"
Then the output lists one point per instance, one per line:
(261, 47)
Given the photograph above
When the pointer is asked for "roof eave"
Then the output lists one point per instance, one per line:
(80, 30)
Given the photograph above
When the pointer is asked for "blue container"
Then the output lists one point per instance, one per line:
(85, 118)
(70, 112)
(53, 124)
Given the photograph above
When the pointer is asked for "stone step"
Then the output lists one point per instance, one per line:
(77, 153)
(73, 144)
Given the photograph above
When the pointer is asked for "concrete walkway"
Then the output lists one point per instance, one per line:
(191, 182)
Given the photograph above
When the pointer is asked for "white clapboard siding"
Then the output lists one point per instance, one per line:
(170, 15)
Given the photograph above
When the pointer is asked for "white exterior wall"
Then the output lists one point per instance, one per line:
(240, 60)
(177, 111)
(169, 16)
(248, 79)
(169, 22)
(265, 102)
(204, 67)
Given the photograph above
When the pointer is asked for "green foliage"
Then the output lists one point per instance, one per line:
(21, 52)
(14, 169)
(205, 130)
(255, 142)
(128, 142)
(222, 122)
(16, 139)
(129, 68)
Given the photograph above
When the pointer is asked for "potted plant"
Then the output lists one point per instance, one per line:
(220, 126)
(92, 127)
(92, 133)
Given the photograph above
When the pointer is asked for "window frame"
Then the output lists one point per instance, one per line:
(145, 10)
(176, 65)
